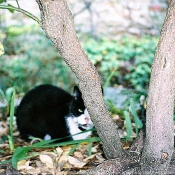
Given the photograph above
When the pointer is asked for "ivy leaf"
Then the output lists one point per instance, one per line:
(12, 8)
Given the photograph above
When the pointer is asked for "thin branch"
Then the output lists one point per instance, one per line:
(18, 4)
(22, 11)
(83, 9)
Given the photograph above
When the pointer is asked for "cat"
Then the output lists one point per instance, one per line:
(49, 112)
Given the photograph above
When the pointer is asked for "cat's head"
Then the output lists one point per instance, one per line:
(79, 111)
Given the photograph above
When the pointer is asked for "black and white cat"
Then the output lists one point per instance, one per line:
(48, 112)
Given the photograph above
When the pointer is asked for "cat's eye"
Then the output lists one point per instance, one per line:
(79, 110)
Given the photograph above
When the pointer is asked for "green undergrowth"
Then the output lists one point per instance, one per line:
(130, 114)
(31, 59)
(26, 152)
(129, 58)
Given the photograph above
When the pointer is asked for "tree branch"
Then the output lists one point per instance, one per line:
(20, 10)
(57, 22)
(83, 9)
(18, 4)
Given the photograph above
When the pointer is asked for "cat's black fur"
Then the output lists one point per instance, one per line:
(49, 110)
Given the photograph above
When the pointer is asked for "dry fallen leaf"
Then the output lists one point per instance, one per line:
(39, 164)
(94, 149)
(78, 154)
(59, 151)
(34, 171)
(48, 160)
(100, 157)
(75, 162)
(3, 129)
(62, 161)
(23, 164)
(88, 158)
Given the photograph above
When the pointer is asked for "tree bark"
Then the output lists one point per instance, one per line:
(57, 22)
(159, 144)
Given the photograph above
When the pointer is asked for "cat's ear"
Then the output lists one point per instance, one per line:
(77, 93)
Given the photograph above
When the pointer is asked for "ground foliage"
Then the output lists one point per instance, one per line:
(33, 157)
(119, 57)
(125, 61)
(68, 159)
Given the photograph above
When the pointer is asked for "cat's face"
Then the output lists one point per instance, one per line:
(84, 120)
(80, 113)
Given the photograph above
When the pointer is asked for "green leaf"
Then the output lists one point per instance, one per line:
(90, 149)
(8, 93)
(72, 142)
(21, 152)
(11, 143)
(112, 107)
(6, 161)
(12, 9)
(29, 156)
(94, 139)
(128, 124)
(12, 107)
(45, 142)
(73, 149)
(18, 154)
(138, 123)
(109, 78)
(42, 143)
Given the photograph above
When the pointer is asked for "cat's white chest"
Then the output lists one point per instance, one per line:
(73, 129)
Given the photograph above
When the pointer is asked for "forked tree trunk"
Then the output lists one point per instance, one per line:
(57, 22)
(159, 146)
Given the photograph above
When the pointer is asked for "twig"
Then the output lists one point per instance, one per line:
(84, 8)
(18, 4)
(22, 11)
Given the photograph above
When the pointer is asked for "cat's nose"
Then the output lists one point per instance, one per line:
(87, 120)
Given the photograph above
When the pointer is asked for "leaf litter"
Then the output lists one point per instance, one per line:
(57, 160)
(51, 161)
(60, 160)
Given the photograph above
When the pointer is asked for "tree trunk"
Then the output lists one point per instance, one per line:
(57, 22)
(159, 145)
